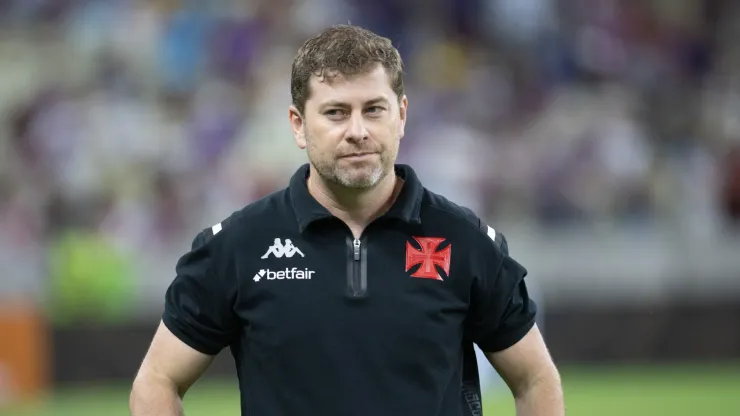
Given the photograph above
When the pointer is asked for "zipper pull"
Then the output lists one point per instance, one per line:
(357, 249)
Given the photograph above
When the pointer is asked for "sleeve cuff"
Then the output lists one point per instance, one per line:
(177, 328)
(500, 342)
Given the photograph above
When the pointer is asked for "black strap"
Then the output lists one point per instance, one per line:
(471, 391)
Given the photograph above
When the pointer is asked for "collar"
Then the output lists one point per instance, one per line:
(407, 206)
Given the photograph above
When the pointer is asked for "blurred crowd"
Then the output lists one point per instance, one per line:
(129, 125)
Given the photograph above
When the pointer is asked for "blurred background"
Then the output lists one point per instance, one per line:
(601, 136)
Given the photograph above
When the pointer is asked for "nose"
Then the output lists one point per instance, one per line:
(356, 130)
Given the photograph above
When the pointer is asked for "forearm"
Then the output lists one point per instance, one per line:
(543, 398)
(152, 397)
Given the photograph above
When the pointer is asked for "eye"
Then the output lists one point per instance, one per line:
(375, 109)
(334, 113)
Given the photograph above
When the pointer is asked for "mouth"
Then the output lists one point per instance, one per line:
(359, 155)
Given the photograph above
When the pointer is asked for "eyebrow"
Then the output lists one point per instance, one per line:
(379, 100)
(334, 103)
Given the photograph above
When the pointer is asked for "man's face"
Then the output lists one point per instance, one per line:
(351, 128)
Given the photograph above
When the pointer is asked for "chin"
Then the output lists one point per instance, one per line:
(361, 178)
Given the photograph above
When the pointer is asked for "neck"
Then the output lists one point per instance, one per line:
(356, 207)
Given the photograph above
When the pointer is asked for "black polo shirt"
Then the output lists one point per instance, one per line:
(320, 323)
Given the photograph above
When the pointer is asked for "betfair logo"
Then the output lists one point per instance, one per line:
(286, 274)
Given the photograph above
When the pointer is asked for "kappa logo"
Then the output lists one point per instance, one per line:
(286, 274)
(278, 249)
(428, 257)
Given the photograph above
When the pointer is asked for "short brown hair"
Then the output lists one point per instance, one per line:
(346, 50)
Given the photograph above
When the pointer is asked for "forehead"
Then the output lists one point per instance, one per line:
(356, 88)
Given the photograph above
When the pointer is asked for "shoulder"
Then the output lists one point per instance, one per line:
(269, 211)
(440, 210)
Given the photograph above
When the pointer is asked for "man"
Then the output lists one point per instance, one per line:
(396, 284)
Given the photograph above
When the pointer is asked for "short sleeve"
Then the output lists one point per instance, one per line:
(501, 311)
(199, 302)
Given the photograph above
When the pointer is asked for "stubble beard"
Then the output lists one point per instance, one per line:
(364, 179)
(364, 176)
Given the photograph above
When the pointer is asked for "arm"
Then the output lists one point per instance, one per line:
(169, 368)
(530, 373)
(502, 323)
(197, 323)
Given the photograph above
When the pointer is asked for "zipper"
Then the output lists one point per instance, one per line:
(357, 244)
(357, 270)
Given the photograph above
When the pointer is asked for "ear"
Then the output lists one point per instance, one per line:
(297, 125)
(402, 111)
